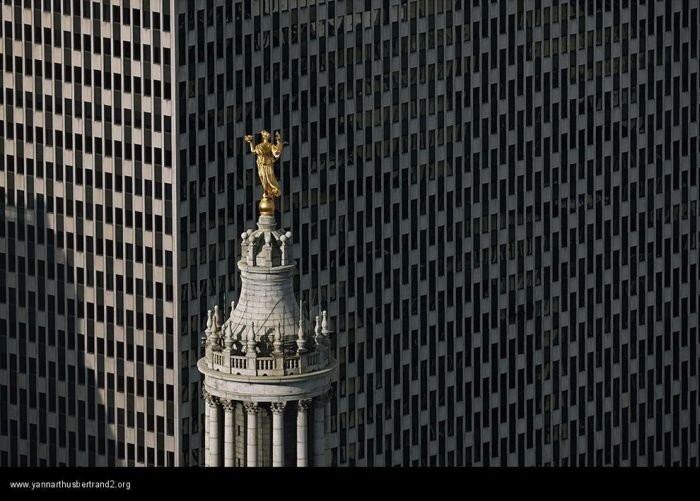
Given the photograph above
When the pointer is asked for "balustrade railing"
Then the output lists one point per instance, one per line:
(226, 362)
(265, 364)
(218, 358)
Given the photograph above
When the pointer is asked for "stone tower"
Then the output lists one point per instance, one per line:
(267, 370)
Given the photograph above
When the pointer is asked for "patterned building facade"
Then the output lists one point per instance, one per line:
(497, 201)
(88, 346)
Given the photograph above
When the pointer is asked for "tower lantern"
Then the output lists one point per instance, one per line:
(265, 373)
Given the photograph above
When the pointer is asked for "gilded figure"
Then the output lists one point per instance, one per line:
(267, 154)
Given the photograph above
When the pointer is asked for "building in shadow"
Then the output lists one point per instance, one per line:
(88, 348)
(58, 401)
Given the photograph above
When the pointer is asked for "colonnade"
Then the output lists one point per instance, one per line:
(220, 451)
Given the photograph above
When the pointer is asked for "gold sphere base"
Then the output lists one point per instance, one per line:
(267, 206)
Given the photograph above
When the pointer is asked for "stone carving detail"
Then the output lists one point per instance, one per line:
(317, 331)
(324, 323)
(301, 341)
(277, 342)
(228, 330)
(251, 407)
(304, 404)
(212, 331)
(250, 340)
(278, 407)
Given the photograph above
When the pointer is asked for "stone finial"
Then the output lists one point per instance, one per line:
(324, 323)
(283, 250)
(228, 335)
(212, 333)
(285, 247)
(288, 248)
(317, 331)
(250, 341)
(277, 341)
(301, 342)
(244, 245)
(228, 328)
(217, 318)
(251, 249)
(231, 311)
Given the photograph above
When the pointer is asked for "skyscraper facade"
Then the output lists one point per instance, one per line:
(88, 346)
(496, 201)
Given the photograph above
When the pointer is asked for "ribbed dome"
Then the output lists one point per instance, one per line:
(266, 303)
(266, 333)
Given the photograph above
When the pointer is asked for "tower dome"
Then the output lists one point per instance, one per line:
(266, 305)
(266, 324)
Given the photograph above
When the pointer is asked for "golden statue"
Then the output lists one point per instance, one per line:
(267, 154)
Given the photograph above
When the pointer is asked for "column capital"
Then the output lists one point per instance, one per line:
(210, 399)
(278, 407)
(304, 404)
(228, 404)
(251, 407)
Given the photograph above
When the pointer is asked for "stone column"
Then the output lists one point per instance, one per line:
(302, 459)
(327, 427)
(228, 432)
(278, 433)
(206, 397)
(252, 432)
(319, 432)
(214, 446)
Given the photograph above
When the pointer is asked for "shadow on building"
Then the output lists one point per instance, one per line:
(57, 400)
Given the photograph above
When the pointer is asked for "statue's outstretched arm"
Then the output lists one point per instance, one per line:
(277, 146)
(249, 139)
